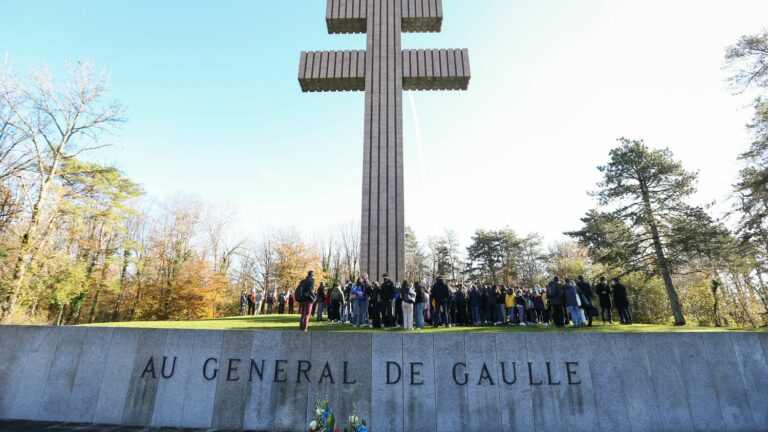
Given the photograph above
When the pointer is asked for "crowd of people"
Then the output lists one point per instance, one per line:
(389, 305)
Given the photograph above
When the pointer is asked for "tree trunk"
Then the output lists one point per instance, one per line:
(661, 260)
(123, 285)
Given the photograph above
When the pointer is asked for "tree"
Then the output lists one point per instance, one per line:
(492, 256)
(646, 189)
(349, 239)
(57, 121)
(416, 268)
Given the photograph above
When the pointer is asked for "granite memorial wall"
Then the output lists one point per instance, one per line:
(404, 382)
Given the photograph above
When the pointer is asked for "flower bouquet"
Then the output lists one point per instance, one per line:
(324, 420)
(356, 424)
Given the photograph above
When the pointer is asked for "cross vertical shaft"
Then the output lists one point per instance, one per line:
(383, 217)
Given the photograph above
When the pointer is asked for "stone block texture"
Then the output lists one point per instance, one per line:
(269, 381)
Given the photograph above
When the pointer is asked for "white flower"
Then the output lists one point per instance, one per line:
(353, 419)
(313, 425)
(319, 411)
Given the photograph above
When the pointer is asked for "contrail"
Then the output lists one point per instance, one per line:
(417, 124)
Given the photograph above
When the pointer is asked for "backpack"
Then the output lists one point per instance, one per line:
(304, 293)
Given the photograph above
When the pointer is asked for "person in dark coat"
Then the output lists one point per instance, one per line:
(586, 290)
(461, 306)
(307, 290)
(386, 298)
(603, 291)
(375, 306)
(440, 293)
(555, 298)
(621, 300)
(474, 305)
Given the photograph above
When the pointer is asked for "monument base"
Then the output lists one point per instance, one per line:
(261, 380)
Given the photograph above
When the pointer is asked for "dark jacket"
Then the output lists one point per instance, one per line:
(407, 293)
(586, 289)
(474, 298)
(620, 298)
(308, 290)
(387, 291)
(440, 291)
(603, 291)
(555, 293)
(419, 294)
(571, 294)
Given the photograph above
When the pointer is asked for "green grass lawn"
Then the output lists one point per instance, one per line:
(291, 323)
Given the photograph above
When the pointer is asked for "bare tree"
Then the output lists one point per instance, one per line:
(349, 240)
(56, 122)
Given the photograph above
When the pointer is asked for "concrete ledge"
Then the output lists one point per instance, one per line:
(441, 382)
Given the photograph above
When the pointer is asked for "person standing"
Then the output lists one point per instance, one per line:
(270, 301)
(374, 302)
(306, 298)
(251, 302)
(320, 301)
(243, 302)
(361, 303)
(586, 291)
(621, 300)
(461, 306)
(554, 296)
(291, 301)
(604, 293)
(337, 302)
(408, 297)
(386, 299)
(520, 306)
(418, 305)
(440, 293)
(573, 302)
(474, 305)
(281, 304)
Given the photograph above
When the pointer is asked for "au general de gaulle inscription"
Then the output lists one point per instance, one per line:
(283, 371)
(268, 381)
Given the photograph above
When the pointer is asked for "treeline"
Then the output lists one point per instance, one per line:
(79, 241)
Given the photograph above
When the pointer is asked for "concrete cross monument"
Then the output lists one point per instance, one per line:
(383, 71)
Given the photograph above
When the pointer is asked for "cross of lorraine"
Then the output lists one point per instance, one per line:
(384, 70)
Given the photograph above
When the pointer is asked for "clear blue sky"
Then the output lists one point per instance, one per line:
(215, 109)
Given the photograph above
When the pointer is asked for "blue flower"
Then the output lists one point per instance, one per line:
(326, 413)
(361, 428)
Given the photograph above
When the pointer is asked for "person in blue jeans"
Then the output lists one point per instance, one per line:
(361, 303)
(572, 301)
(418, 306)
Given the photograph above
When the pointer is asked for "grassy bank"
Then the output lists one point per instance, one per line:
(290, 323)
